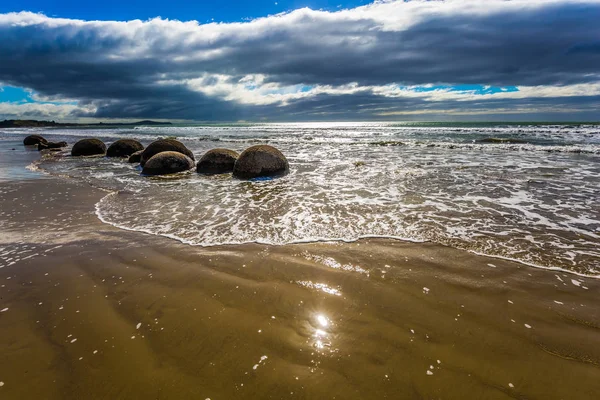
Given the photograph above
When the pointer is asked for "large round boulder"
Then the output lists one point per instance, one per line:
(161, 145)
(167, 162)
(135, 157)
(217, 161)
(33, 140)
(88, 147)
(123, 148)
(261, 160)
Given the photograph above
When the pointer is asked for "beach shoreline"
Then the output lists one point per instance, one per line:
(93, 311)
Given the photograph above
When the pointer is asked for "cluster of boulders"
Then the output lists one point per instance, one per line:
(169, 156)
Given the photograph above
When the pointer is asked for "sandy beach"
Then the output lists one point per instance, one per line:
(91, 311)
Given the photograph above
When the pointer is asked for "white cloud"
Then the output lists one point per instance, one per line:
(252, 89)
(10, 110)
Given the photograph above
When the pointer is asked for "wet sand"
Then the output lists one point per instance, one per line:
(93, 312)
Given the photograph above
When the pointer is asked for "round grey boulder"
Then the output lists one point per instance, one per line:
(135, 157)
(259, 161)
(123, 148)
(161, 145)
(167, 162)
(88, 147)
(217, 161)
(33, 140)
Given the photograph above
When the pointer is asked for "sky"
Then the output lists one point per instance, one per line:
(318, 60)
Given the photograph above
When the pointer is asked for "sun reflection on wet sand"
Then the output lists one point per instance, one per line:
(321, 336)
(323, 320)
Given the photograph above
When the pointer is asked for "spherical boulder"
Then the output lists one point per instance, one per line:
(51, 145)
(33, 140)
(167, 162)
(88, 147)
(161, 145)
(217, 161)
(135, 157)
(261, 160)
(123, 148)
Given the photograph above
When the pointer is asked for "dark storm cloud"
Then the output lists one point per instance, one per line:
(146, 69)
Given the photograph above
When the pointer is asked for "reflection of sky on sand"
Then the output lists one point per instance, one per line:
(13, 163)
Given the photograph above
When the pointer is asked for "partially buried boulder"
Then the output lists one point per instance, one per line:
(161, 145)
(167, 162)
(88, 147)
(33, 140)
(217, 161)
(123, 148)
(51, 145)
(261, 160)
(135, 157)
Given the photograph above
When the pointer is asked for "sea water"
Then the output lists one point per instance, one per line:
(534, 198)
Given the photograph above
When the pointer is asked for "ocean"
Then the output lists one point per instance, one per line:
(524, 192)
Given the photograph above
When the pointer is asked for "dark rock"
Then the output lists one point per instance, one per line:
(217, 161)
(261, 160)
(88, 147)
(123, 148)
(51, 145)
(161, 145)
(502, 140)
(135, 157)
(388, 143)
(167, 162)
(33, 140)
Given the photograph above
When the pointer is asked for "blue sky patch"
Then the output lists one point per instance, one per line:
(183, 10)
(14, 95)
(476, 89)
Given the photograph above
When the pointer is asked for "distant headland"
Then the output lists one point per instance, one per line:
(31, 123)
